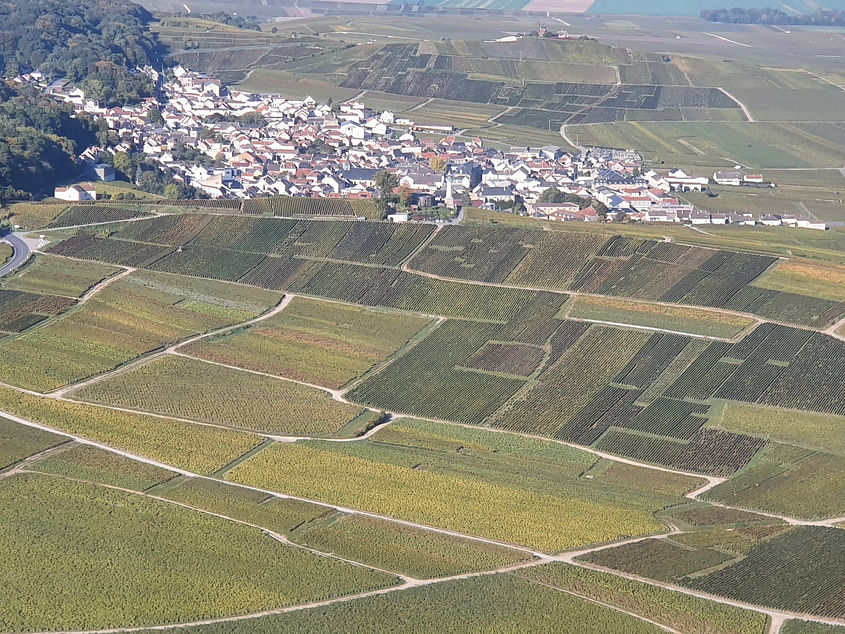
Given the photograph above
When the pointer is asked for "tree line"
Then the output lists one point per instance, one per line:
(822, 17)
(94, 44)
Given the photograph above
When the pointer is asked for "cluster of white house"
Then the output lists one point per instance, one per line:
(234, 144)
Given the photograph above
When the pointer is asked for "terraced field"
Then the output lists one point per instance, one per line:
(171, 561)
(765, 575)
(550, 431)
(316, 342)
(179, 387)
(456, 73)
(530, 509)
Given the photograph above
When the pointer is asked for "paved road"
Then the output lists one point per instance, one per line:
(20, 256)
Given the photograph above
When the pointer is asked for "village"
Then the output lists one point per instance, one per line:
(246, 145)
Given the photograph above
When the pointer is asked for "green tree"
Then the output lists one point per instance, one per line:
(386, 182)
(155, 116)
(437, 163)
(123, 163)
(552, 195)
(172, 191)
(405, 194)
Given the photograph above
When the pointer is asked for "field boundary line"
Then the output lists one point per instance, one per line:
(610, 606)
(156, 353)
(152, 215)
(772, 613)
(656, 329)
(270, 533)
(540, 556)
(719, 37)
(744, 108)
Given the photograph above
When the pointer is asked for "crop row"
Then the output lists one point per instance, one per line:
(708, 451)
(119, 252)
(473, 253)
(424, 381)
(512, 359)
(175, 386)
(800, 571)
(322, 343)
(88, 214)
(216, 264)
(555, 259)
(385, 244)
(580, 373)
(162, 553)
(668, 417)
(651, 360)
(681, 612)
(291, 207)
(536, 322)
(608, 407)
(20, 310)
(172, 230)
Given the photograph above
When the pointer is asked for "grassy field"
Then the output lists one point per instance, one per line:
(60, 543)
(20, 442)
(822, 203)
(681, 612)
(535, 485)
(324, 343)
(757, 145)
(32, 215)
(201, 449)
(130, 317)
(270, 80)
(678, 318)
(6, 252)
(807, 278)
(391, 546)
(827, 246)
(193, 389)
(501, 603)
(85, 462)
(807, 429)
(59, 276)
(825, 103)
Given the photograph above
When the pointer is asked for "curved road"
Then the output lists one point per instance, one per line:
(21, 253)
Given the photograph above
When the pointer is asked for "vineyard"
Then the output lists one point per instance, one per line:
(375, 478)
(234, 248)
(20, 442)
(425, 382)
(199, 448)
(274, 513)
(58, 276)
(480, 604)
(132, 316)
(679, 611)
(293, 207)
(162, 552)
(399, 548)
(83, 462)
(620, 266)
(518, 364)
(20, 310)
(795, 569)
(179, 387)
(789, 480)
(91, 214)
(312, 341)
